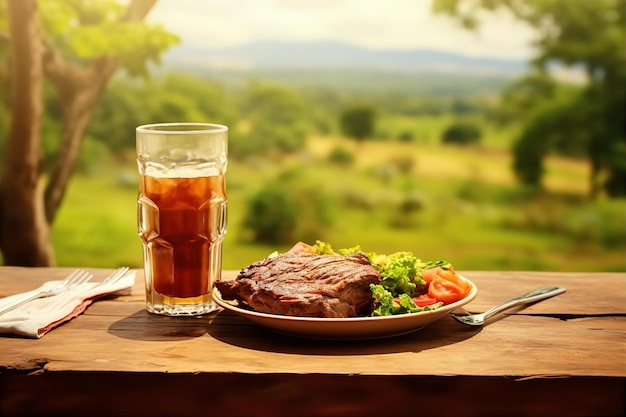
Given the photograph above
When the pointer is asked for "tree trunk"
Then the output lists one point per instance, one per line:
(26, 211)
(24, 231)
(79, 90)
(78, 101)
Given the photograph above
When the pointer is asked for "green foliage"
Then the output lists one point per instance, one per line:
(616, 182)
(97, 224)
(472, 190)
(354, 198)
(277, 118)
(358, 121)
(50, 137)
(405, 215)
(600, 223)
(424, 93)
(121, 109)
(210, 100)
(94, 157)
(406, 136)
(172, 98)
(477, 222)
(84, 30)
(582, 34)
(384, 202)
(462, 133)
(322, 108)
(272, 215)
(527, 93)
(341, 156)
(288, 209)
(403, 163)
(464, 105)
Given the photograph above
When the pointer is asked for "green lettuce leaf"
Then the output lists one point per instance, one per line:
(387, 306)
(401, 274)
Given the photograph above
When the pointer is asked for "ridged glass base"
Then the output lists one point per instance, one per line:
(174, 306)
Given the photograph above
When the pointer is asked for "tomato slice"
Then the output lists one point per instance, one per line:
(302, 247)
(424, 300)
(430, 274)
(447, 274)
(452, 276)
(445, 291)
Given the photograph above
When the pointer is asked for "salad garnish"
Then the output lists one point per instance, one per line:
(409, 285)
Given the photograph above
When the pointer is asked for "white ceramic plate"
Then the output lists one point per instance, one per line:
(351, 328)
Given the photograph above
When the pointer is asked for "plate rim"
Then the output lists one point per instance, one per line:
(344, 321)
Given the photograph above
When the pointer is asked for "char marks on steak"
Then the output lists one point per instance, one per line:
(305, 285)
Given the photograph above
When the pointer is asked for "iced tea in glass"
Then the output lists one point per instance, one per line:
(182, 214)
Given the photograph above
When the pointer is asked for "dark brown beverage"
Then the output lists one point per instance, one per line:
(182, 222)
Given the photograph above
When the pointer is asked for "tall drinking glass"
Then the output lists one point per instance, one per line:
(182, 214)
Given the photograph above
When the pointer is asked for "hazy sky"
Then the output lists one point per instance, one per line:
(377, 24)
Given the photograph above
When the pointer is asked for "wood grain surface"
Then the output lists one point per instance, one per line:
(567, 351)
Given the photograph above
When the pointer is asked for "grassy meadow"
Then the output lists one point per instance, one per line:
(440, 202)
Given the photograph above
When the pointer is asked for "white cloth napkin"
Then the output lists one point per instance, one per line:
(37, 317)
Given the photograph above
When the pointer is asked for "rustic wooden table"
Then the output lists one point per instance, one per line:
(563, 356)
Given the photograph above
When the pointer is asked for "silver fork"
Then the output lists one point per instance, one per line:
(113, 278)
(76, 278)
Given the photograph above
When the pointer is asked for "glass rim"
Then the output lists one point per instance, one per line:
(181, 128)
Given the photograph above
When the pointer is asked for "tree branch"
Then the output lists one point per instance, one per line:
(24, 232)
(62, 73)
(79, 90)
(137, 10)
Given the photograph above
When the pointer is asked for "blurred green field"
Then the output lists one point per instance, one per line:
(465, 208)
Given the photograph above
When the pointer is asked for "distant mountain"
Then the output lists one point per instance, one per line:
(274, 55)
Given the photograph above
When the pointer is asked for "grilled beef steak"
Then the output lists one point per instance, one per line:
(305, 285)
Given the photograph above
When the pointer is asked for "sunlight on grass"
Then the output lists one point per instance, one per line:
(96, 225)
(466, 209)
